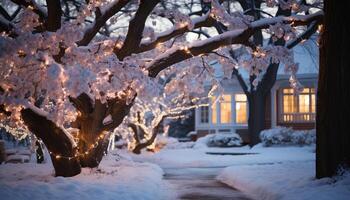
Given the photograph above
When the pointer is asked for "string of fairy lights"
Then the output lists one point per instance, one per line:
(77, 154)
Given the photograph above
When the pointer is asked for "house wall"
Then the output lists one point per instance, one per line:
(202, 129)
(272, 106)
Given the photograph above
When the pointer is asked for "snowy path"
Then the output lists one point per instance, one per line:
(200, 183)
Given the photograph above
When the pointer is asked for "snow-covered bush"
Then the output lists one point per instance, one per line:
(287, 136)
(219, 140)
(224, 140)
(172, 143)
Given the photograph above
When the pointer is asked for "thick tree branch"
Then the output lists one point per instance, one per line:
(305, 35)
(136, 129)
(54, 13)
(6, 25)
(178, 54)
(136, 27)
(139, 146)
(101, 20)
(118, 109)
(204, 21)
(82, 103)
(270, 76)
(41, 13)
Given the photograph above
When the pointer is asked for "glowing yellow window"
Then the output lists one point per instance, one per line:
(298, 107)
(214, 119)
(241, 108)
(313, 103)
(304, 103)
(225, 109)
(288, 102)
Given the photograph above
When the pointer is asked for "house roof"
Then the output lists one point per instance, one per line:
(306, 55)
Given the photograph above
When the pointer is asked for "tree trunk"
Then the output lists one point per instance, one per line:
(138, 130)
(39, 153)
(333, 95)
(94, 156)
(256, 119)
(57, 142)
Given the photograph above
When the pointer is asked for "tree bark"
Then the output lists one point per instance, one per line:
(93, 133)
(141, 145)
(57, 142)
(256, 119)
(138, 130)
(95, 155)
(333, 95)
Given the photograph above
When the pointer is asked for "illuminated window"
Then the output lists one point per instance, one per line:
(298, 107)
(241, 108)
(225, 109)
(313, 103)
(204, 113)
(214, 111)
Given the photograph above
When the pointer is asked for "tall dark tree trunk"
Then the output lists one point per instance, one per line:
(256, 117)
(57, 142)
(333, 95)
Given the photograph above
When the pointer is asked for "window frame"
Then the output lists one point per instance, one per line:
(204, 109)
(235, 108)
(296, 116)
(229, 103)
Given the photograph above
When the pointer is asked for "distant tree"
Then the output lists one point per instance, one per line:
(179, 94)
(333, 95)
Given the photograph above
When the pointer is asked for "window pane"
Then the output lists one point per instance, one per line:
(313, 103)
(226, 98)
(288, 104)
(306, 90)
(241, 112)
(204, 114)
(304, 103)
(240, 97)
(225, 109)
(288, 91)
(213, 113)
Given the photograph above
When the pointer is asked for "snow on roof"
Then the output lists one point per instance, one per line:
(306, 54)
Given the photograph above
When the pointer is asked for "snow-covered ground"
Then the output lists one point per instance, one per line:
(198, 157)
(287, 181)
(268, 173)
(122, 180)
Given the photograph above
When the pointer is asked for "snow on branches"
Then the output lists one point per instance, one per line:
(42, 69)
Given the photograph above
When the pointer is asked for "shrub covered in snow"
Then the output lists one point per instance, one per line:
(171, 143)
(287, 136)
(219, 140)
(224, 140)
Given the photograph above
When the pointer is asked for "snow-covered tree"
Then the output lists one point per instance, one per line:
(180, 90)
(72, 84)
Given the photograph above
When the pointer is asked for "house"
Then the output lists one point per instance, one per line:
(283, 106)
